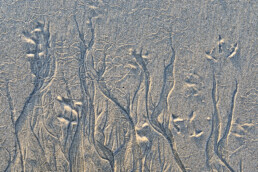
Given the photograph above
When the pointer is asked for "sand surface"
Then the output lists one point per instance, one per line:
(128, 85)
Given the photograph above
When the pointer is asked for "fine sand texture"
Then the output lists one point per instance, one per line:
(128, 85)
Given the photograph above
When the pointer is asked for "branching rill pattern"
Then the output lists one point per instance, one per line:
(128, 86)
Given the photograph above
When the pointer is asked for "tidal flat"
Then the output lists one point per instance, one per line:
(128, 85)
